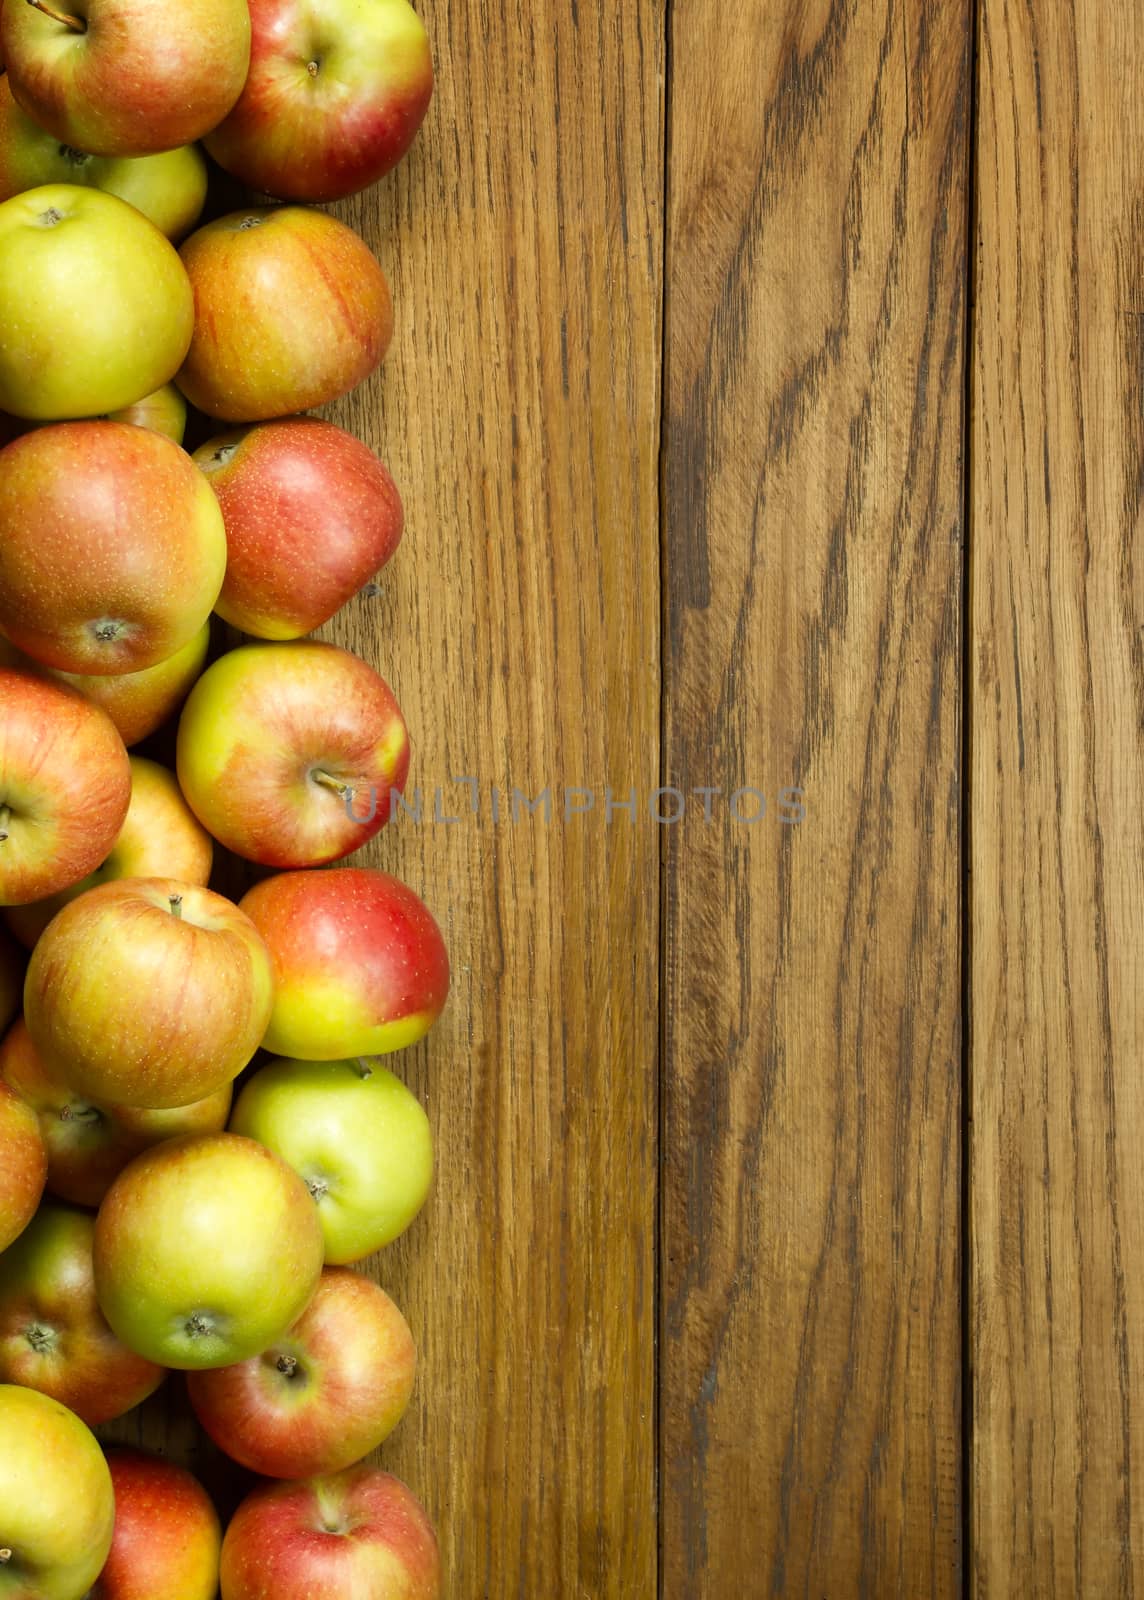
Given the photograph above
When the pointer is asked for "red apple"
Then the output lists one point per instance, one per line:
(159, 837)
(53, 1336)
(360, 967)
(323, 1395)
(206, 1251)
(333, 99)
(12, 965)
(88, 1145)
(289, 753)
(360, 1532)
(112, 547)
(65, 784)
(291, 311)
(23, 1165)
(167, 1535)
(310, 515)
(120, 78)
(148, 992)
(137, 702)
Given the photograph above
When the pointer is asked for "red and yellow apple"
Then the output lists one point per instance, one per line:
(12, 964)
(23, 1165)
(323, 1395)
(360, 967)
(95, 307)
(148, 992)
(169, 189)
(289, 753)
(355, 1135)
(53, 1336)
(138, 703)
(333, 99)
(167, 1536)
(291, 310)
(159, 837)
(65, 784)
(57, 1507)
(206, 1250)
(88, 1145)
(163, 412)
(358, 1532)
(311, 514)
(120, 78)
(112, 547)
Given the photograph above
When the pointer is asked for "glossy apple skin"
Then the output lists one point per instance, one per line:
(262, 722)
(322, 1396)
(66, 781)
(53, 1336)
(358, 1138)
(169, 189)
(311, 515)
(325, 133)
(167, 1536)
(23, 1165)
(64, 250)
(144, 76)
(88, 1145)
(12, 964)
(112, 547)
(57, 1506)
(160, 837)
(248, 361)
(206, 1250)
(359, 1532)
(138, 703)
(360, 967)
(148, 992)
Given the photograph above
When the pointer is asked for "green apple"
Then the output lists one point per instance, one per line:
(356, 1135)
(206, 1250)
(168, 188)
(96, 310)
(57, 1506)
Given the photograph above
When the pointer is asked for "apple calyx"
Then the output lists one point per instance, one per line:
(41, 1339)
(5, 1556)
(312, 68)
(198, 1324)
(288, 1366)
(76, 24)
(108, 629)
(318, 1187)
(75, 158)
(5, 819)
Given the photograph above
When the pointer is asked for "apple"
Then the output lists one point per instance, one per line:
(289, 753)
(206, 1250)
(11, 980)
(169, 189)
(159, 837)
(359, 1532)
(323, 1395)
(167, 1535)
(163, 412)
(148, 992)
(356, 1136)
(53, 1336)
(95, 307)
(138, 703)
(57, 1507)
(311, 514)
(360, 967)
(336, 92)
(291, 311)
(88, 1145)
(65, 784)
(118, 78)
(23, 1166)
(112, 547)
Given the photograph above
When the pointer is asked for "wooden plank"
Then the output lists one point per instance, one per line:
(811, 1420)
(1057, 608)
(519, 625)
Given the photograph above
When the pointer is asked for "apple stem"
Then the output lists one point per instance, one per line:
(76, 24)
(5, 819)
(364, 1070)
(335, 784)
(176, 903)
(79, 1114)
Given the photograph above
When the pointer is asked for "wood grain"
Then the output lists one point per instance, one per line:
(811, 1415)
(519, 626)
(1057, 659)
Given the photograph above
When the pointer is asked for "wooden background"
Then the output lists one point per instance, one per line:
(767, 401)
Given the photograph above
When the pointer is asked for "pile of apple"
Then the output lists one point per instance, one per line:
(197, 1136)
